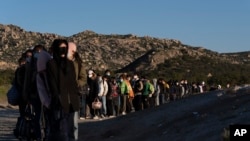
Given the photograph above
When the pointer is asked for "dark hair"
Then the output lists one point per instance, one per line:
(27, 51)
(61, 62)
(123, 76)
(20, 60)
(39, 47)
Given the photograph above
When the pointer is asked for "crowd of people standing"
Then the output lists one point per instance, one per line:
(124, 93)
(53, 82)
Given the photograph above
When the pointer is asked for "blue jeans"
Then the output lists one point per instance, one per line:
(104, 106)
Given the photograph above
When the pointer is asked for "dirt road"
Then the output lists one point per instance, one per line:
(8, 118)
(201, 117)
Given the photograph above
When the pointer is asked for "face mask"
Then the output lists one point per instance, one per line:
(108, 74)
(62, 50)
(36, 55)
(28, 59)
(135, 77)
(121, 80)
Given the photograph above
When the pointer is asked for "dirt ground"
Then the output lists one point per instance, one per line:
(200, 117)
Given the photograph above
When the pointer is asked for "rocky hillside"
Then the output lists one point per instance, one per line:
(115, 52)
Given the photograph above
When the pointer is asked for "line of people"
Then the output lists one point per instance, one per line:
(123, 93)
(48, 81)
(53, 83)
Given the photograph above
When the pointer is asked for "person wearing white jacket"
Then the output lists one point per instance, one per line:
(103, 90)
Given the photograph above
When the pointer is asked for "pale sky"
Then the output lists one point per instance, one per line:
(218, 25)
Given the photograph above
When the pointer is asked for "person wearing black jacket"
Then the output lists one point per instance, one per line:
(64, 92)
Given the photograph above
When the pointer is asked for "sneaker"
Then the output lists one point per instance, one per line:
(123, 113)
(82, 118)
(112, 116)
(96, 117)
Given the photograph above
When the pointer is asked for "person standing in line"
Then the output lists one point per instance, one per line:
(103, 96)
(80, 76)
(92, 81)
(30, 92)
(109, 100)
(124, 93)
(43, 91)
(157, 92)
(114, 98)
(18, 81)
(145, 93)
(137, 87)
(131, 95)
(64, 92)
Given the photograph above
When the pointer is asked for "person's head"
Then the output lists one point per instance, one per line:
(60, 49)
(28, 55)
(128, 77)
(104, 77)
(135, 77)
(122, 77)
(113, 80)
(90, 73)
(21, 61)
(107, 72)
(71, 50)
(36, 50)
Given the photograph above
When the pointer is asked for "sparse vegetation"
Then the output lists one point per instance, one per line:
(129, 53)
(3, 92)
(6, 77)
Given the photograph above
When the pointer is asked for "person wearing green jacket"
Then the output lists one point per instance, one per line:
(145, 93)
(124, 93)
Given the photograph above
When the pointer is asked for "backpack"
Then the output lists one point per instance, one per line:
(151, 88)
(129, 89)
(13, 95)
(25, 126)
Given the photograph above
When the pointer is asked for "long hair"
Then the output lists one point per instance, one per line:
(61, 61)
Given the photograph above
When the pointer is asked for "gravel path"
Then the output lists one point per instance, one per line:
(8, 120)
